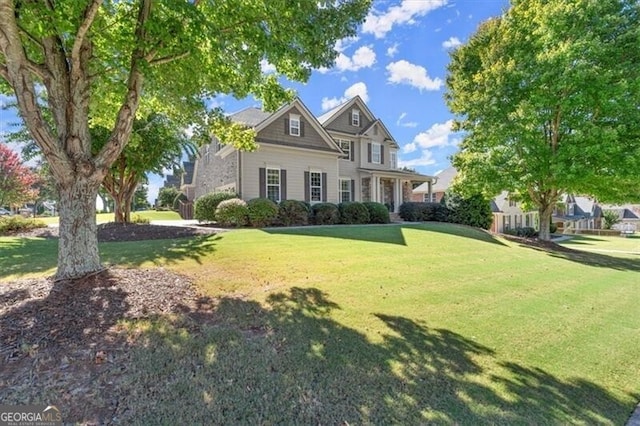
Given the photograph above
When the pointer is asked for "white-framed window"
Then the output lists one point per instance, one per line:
(355, 118)
(294, 125)
(512, 203)
(315, 186)
(345, 190)
(375, 153)
(430, 199)
(345, 146)
(393, 155)
(273, 184)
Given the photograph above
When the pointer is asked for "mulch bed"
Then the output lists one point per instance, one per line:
(63, 343)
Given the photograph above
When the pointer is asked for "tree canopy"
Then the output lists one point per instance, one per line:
(106, 62)
(548, 98)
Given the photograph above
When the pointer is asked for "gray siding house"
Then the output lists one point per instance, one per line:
(346, 154)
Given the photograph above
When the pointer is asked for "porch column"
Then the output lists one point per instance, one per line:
(430, 190)
(376, 188)
(397, 195)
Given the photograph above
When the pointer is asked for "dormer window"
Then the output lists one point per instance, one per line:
(294, 125)
(355, 118)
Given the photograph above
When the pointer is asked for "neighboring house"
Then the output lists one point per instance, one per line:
(576, 212)
(346, 154)
(434, 193)
(507, 213)
(628, 214)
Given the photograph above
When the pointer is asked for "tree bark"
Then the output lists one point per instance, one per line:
(545, 213)
(78, 245)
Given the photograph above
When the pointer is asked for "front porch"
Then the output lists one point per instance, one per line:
(391, 188)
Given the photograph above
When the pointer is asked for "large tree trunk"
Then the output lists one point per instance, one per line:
(545, 213)
(78, 245)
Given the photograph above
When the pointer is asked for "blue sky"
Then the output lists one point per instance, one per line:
(397, 64)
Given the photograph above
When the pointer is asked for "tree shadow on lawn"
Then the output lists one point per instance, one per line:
(233, 361)
(588, 258)
(22, 256)
(387, 233)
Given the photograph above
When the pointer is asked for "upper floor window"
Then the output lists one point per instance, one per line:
(294, 125)
(512, 203)
(345, 146)
(376, 148)
(393, 155)
(355, 118)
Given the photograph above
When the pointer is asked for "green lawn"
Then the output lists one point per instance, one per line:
(381, 324)
(629, 245)
(108, 217)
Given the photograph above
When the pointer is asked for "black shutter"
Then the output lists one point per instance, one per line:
(283, 185)
(301, 129)
(307, 190)
(262, 181)
(352, 154)
(353, 190)
(324, 187)
(286, 126)
(381, 154)
(369, 151)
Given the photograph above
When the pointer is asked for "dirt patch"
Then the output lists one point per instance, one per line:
(129, 232)
(65, 343)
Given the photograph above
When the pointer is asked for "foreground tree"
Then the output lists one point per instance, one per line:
(18, 183)
(547, 95)
(104, 59)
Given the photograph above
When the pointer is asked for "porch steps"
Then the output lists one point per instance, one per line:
(395, 217)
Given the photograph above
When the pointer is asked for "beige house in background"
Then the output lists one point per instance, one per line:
(347, 154)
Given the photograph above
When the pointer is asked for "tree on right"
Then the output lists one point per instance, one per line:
(547, 97)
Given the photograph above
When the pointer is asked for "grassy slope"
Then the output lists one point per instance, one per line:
(108, 217)
(385, 324)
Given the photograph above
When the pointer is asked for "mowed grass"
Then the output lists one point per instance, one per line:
(109, 217)
(383, 324)
(629, 245)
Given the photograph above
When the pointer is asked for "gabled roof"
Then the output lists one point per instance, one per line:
(330, 115)
(250, 116)
(310, 118)
(384, 129)
(444, 180)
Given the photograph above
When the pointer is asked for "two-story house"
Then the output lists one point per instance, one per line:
(346, 154)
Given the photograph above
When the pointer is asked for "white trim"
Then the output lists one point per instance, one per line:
(373, 146)
(339, 142)
(295, 118)
(393, 159)
(355, 117)
(278, 185)
(341, 191)
(311, 186)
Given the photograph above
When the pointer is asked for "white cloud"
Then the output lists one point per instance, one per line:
(380, 23)
(392, 50)
(363, 57)
(358, 89)
(401, 123)
(426, 159)
(452, 43)
(438, 135)
(403, 72)
(344, 43)
(266, 67)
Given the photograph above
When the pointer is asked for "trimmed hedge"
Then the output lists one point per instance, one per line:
(471, 211)
(205, 207)
(293, 213)
(378, 212)
(325, 214)
(353, 213)
(18, 223)
(232, 212)
(526, 231)
(421, 212)
(261, 212)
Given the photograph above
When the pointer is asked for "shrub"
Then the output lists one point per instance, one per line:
(181, 197)
(378, 213)
(353, 213)
(136, 218)
(205, 207)
(411, 211)
(261, 212)
(472, 211)
(232, 212)
(553, 228)
(18, 223)
(293, 212)
(325, 214)
(166, 196)
(434, 212)
(526, 232)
